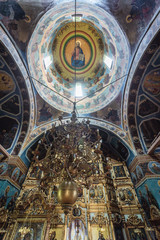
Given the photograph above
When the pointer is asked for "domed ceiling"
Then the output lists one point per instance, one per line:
(91, 55)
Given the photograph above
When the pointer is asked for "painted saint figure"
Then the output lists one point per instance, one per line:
(101, 236)
(78, 58)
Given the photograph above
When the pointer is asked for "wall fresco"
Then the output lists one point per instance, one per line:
(119, 171)
(8, 195)
(146, 106)
(149, 197)
(45, 112)
(111, 113)
(144, 167)
(151, 83)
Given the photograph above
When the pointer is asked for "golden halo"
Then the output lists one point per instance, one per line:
(27, 19)
(129, 19)
(78, 42)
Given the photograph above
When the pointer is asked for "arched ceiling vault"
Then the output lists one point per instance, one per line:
(16, 96)
(141, 99)
(108, 33)
(51, 61)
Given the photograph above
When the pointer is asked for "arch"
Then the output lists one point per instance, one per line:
(21, 78)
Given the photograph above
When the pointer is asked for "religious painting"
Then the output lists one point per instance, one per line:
(78, 57)
(14, 17)
(119, 171)
(6, 83)
(12, 105)
(76, 212)
(112, 112)
(12, 10)
(15, 174)
(12, 202)
(8, 129)
(4, 197)
(99, 233)
(154, 167)
(101, 237)
(138, 15)
(21, 179)
(125, 194)
(149, 196)
(77, 230)
(57, 233)
(80, 53)
(151, 83)
(134, 178)
(46, 112)
(33, 230)
(100, 192)
(3, 168)
(139, 172)
(140, 10)
(149, 130)
(92, 192)
(146, 107)
(137, 234)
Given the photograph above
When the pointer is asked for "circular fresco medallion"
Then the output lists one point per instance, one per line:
(93, 56)
(79, 52)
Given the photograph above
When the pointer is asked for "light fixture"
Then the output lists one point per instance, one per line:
(69, 154)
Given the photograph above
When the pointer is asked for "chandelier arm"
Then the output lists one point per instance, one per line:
(68, 173)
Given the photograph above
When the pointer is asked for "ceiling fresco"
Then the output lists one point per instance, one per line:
(14, 97)
(96, 43)
(144, 104)
(46, 112)
(10, 101)
(43, 32)
(20, 17)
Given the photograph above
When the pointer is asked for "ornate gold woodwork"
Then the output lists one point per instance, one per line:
(99, 219)
(82, 217)
(116, 218)
(134, 220)
(3, 215)
(155, 213)
(99, 207)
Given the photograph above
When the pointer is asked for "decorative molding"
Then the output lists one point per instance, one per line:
(134, 220)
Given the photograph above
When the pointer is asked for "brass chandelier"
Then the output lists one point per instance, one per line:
(69, 154)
